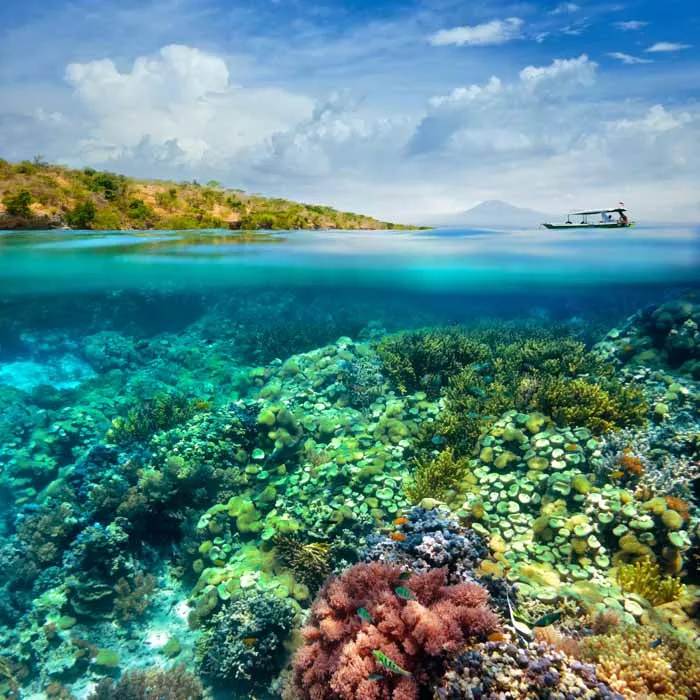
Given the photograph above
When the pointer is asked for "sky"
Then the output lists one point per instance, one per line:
(407, 110)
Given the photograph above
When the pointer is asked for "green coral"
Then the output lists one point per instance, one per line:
(165, 410)
(435, 478)
(426, 358)
(597, 406)
(549, 375)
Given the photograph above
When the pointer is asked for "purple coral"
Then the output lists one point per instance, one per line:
(495, 670)
(433, 539)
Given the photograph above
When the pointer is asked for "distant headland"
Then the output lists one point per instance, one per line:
(39, 195)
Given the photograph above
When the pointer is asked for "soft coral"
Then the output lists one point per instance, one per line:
(336, 661)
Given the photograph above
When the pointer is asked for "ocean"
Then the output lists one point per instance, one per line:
(350, 464)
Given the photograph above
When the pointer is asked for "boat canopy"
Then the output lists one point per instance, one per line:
(597, 211)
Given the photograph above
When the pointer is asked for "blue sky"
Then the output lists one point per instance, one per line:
(407, 110)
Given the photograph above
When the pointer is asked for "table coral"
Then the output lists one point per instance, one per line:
(415, 630)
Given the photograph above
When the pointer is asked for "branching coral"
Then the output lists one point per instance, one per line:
(146, 417)
(645, 578)
(414, 628)
(430, 539)
(646, 662)
(597, 406)
(425, 359)
(551, 375)
(436, 477)
(152, 684)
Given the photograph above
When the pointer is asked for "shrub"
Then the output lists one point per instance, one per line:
(18, 203)
(82, 215)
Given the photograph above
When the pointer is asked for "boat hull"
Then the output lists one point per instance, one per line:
(602, 225)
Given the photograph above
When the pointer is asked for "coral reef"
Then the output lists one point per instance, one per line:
(164, 490)
(497, 670)
(371, 611)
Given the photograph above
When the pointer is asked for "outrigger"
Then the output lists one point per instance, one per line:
(606, 219)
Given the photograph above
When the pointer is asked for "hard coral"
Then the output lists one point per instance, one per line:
(414, 630)
(432, 539)
(497, 670)
(646, 662)
(152, 684)
(426, 358)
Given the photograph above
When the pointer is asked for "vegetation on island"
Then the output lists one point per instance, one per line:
(38, 195)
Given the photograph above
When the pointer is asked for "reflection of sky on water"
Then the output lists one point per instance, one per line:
(400, 259)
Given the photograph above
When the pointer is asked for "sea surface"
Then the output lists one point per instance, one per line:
(198, 429)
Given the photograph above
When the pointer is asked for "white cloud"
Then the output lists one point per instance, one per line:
(631, 25)
(539, 138)
(666, 47)
(576, 71)
(626, 58)
(181, 99)
(497, 31)
(656, 121)
(566, 8)
(529, 114)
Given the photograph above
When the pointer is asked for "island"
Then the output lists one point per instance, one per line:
(35, 195)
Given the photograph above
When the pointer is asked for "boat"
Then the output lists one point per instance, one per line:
(606, 219)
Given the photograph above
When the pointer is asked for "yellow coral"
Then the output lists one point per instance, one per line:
(645, 662)
(644, 578)
(435, 478)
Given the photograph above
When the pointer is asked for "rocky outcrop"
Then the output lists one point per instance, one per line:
(13, 222)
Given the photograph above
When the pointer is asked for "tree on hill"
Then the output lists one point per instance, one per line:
(18, 203)
(82, 215)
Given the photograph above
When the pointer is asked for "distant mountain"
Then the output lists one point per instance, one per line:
(495, 214)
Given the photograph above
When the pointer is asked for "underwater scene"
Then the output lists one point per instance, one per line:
(376, 465)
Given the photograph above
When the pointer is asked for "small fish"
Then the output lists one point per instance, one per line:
(548, 619)
(400, 521)
(365, 615)
(397, 536)
(497, 637)
(249, 641)
(385, 661)
(404, 575)
(617, 474)
(656, 643)
(404, 593)
(375, 676)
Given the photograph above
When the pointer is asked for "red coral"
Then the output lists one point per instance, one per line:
(336, 662)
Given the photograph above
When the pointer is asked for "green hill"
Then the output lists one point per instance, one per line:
(37, 195)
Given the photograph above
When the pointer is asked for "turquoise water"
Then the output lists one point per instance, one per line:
(198, 428)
